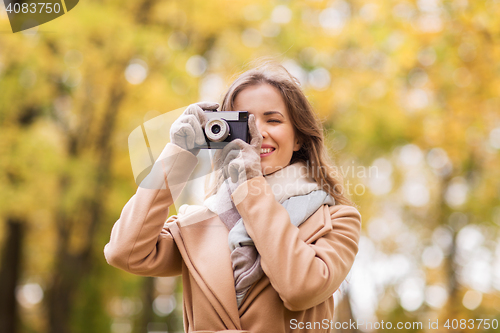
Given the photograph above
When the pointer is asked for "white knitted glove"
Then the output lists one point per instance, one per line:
(187, 131)
(239, 160)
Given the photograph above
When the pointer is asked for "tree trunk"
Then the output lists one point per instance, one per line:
(9, 275)
(71, 269)
(147, 315)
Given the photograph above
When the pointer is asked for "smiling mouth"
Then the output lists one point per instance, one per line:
(266, 151)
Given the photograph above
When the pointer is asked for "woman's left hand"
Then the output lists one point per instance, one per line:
(239, 160)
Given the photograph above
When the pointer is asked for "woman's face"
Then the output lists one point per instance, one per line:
(273, 122)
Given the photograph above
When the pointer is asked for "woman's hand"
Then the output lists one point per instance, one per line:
(187, 131)
(239, 160)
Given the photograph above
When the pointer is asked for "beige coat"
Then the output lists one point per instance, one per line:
(303, 266)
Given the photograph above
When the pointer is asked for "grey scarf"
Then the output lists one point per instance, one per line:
(301, 200)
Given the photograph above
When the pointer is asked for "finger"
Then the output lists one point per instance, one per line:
(185, 135)
(179, 127)
(234, 171)
(238, 144)
(217, 159)
(233, 154)
(199, 136)
(194, 122)
(228, 160)
(198, 112)
(208, 105)
(233, 145)
(192, 109)
(190, 119)
(220, 156)
(256, 137)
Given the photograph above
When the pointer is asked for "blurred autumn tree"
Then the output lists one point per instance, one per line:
(408, 87)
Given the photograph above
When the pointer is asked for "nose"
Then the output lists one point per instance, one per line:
(261, 128)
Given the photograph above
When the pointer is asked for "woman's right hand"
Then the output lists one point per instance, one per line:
(239, 160)
(187, 131)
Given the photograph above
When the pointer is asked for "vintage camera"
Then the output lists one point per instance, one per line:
(223, 127)
(146, 142)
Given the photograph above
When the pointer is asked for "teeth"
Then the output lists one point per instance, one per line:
(266, 150)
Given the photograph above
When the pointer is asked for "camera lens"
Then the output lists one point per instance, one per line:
(217, 129)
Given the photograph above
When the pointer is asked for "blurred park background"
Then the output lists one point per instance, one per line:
(408, 90)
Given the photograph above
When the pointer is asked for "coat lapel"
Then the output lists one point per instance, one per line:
(316, 225)
(206, 253)
(312, 229)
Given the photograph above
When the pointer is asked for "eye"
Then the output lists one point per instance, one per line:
(274, 121)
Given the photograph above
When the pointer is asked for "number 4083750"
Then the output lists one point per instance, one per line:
(40, 7)
(471, 324)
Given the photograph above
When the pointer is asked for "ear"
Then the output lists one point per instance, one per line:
(297, 145)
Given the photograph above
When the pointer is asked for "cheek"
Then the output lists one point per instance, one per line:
(284, 138)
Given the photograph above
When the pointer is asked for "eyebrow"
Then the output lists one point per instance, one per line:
(267, 113)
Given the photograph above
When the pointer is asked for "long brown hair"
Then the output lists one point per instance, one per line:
(307, 126)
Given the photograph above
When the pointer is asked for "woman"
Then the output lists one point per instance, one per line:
(276, 236)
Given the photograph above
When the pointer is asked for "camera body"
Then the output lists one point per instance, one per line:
(223, 127)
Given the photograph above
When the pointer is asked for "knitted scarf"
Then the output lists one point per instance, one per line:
(299, 194)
